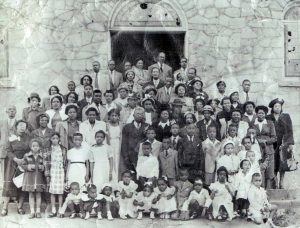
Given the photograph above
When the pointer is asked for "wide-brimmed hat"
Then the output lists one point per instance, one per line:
(123, 86)
(236, 110)
(262, 107)
(147, 99)
(34, 95)
(246, 103)
(275, 101)
(207, 108)
(196, 79)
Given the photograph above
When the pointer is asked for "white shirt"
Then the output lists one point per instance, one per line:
(88, 131)
(249, 116)
(137, 125)
(147, 166)
(168, 90)
(89, 100)
(148, 118)
(190, 138)
(242, 184)
(155, 82)
(260, 124)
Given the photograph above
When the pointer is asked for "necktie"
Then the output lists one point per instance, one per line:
(247, 96)
(161, 68)
(168, 92)
(96, 81)
(174, 142)
(166, 153)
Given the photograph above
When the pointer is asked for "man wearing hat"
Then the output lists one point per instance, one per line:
(126, 114)
(249, 114)
(202, 125)
(164, 69)
(31, 113)
(196, 89)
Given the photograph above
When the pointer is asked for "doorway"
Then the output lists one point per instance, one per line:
(127, 46)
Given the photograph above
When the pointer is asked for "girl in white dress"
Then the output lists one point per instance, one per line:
(127, 188)
(221, 195)
(78, 162)
(101, 161)
(114, 132)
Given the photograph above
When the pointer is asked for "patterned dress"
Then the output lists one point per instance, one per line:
(57, 172)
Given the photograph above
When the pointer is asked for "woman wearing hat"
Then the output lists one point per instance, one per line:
(123, 94)
(197, 86)
(266, 137)
(68, 127)
(202, 125)
(284, 131)
(46, 103)
(43, 133)
(150, 113)
(56, 113)
(141, 75)
(215, 104)
(129, 79)
(189, 118)
(199, 104)
(180, 91)
(31, 113)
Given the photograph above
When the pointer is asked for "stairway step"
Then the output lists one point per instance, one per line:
(283, 194)
(285, 204)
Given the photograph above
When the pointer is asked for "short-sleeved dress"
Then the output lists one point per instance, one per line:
(165, 205)
(100, 156)
(77, 169)
(57, 171)
(115, 141)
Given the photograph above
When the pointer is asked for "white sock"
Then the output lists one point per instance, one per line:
(38, 210)
(53, 210)
(32, 210)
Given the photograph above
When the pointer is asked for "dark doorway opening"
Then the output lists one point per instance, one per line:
(127, 46)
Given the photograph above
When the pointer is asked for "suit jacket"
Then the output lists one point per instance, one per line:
(156, 147)
(183, 191)
(167, 71)
(162, 131)
(131, 136)
(267, 136)
(160, 84)
(203, 131)
(63, 129)
(44, 138)
(246, 119)
(5, 132)
(168, 163)
(30, 116)
(115, 81)
(162, 95)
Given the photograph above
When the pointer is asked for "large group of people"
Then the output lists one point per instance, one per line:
(146, 141)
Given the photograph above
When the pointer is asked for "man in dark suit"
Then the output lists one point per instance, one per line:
(132, 134)
(164, 69)
(115, 77)
(206, 122)
(87, 100)
(155, 80)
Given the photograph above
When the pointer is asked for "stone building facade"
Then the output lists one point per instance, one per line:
(47, 42)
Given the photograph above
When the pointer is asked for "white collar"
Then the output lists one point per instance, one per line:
(214, 143)
(164, 124)
(246, 114)
(263, 122)
(154, 141)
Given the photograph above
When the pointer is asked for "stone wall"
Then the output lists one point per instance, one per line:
(52, 42)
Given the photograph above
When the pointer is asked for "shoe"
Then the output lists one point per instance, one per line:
(81, 215)
(99, 216)
(152, 216)
(31, 216)
(229, 219)
(4, 212)
(140, 216)
(73, 215)
(87, 216)
(193, 216)
(51, 215)
(167, 216)
(109, 216)
(210, 217)
(21, 211)
(162, 216)
(124, 217)
(38, 215)
(60, 215)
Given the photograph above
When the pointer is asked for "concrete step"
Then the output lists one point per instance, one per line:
(286, 204)
(283, 194)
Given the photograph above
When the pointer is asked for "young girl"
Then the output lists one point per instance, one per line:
(114, 132)
(127, 188)
(145, 201)
(229, 160)
(166, 202)
(55, 171)
(242, 185)
(101, 161)
(221, 195)
(34, 179)
(233, 136)
(109, 207)
(150, 113)
(78, 162)
(260, 210)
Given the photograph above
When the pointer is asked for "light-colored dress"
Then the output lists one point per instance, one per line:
(77, 169)
(164, 205)
(57, 172)
(126, 205)
(231, 163)
(100, 155)
(222, 197)
(202, 198)
(115, 140)
(147, 200)
(258, 200)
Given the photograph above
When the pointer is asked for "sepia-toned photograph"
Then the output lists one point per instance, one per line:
(149, 113)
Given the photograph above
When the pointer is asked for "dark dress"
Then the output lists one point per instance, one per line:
(284, 132)
(34, 180)
(44, 138)
(16, 149)
(162, 131)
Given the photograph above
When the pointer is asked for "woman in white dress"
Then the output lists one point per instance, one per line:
(101, 161)
(114, 132)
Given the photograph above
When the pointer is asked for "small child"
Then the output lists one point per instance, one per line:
(233, 136)
(155, 145)
(251, 132)
(229, 160)
(147, 165)
(198, 202)
(260, 210)
(255, 167)
(168, 161)
(73, 202)
(242, 185)
(183, 190)
(145, 201)
(175, 138)
(91, 202)
(211, 149)
(166, 202)
(34, 179)
(127, 189)
(110, 206)
(246, 142)
(221, 195)
(55, 171)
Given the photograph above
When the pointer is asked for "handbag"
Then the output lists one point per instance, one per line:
(290, 164)
(18, 180)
